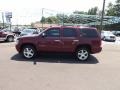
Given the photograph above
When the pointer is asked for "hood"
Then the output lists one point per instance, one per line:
(29, 36)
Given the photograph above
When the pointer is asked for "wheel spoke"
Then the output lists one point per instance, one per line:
(82, 51)
(27, 49)
(86, 53)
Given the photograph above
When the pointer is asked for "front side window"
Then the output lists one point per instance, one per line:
(54, 32)
(69, 32)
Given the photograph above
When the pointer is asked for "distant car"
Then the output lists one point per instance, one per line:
(116, 33)
(28, 32)
(6, 35)
(108, 36)
(16, 31)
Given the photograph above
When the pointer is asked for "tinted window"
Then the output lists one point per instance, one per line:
(53, 32)
(69, 32)
(91, 33)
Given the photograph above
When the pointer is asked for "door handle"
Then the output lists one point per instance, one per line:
(75, 40)
(57, 40)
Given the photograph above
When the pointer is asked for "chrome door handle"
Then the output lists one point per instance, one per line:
(57, 40)
(75, 40)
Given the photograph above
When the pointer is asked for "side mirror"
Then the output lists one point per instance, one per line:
(43, 35)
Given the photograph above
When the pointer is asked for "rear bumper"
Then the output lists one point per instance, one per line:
(96, 50)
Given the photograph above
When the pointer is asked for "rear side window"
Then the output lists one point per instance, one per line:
(69, 32)
(90, 33)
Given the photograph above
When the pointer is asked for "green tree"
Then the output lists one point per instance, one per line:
(54, 19)
(60, 18)
(111, 10)
(114, 10)
(117, 8)
(72, 19)
(43, 20)
(79, 12)
(49, 20)
(93, 11)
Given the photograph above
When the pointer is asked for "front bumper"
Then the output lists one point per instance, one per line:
(17, 46)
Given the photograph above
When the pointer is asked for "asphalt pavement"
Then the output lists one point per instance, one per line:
(59, 71)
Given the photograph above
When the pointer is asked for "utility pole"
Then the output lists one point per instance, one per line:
(102, 17)
(10, 25)
(3, 20)
(42, 17)
(63, 19)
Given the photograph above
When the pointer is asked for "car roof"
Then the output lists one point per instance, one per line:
(80, 27)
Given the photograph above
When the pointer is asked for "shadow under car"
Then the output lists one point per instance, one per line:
(56, 58)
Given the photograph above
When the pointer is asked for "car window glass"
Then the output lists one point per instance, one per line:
(69, 32)
(55, 32)
(90, 33)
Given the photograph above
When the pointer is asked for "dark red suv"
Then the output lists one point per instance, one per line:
(81, 41)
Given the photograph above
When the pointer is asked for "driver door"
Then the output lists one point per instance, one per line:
(51, 42)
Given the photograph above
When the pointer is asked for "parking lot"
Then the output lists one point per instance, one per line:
(60, 72)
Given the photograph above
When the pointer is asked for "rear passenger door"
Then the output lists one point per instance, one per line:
(69, 39)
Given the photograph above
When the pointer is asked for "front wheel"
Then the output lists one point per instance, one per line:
(28, 52)
(10, 38)
(82, 54)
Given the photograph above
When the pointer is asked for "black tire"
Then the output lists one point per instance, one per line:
(30, 47)
(104, 39)
(114, 40)
(80, 56)
(10, 38)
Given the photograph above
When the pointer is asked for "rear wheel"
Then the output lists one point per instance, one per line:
(82, 54)
(29, 52)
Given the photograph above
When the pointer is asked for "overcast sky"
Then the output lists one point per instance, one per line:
(27, 11)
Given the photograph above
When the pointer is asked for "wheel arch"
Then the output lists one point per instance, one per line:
(27, 44)
(83, 46)
(8, 37)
